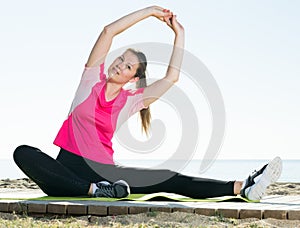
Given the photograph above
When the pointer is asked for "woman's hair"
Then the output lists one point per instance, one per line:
(141, 83)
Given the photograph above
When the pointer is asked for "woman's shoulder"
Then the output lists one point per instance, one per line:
(133, 92)
(94, 71)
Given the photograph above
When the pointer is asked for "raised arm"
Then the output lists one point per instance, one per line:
(104, 41)
(159, 87)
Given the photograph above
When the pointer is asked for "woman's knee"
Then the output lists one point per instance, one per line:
(22, 152)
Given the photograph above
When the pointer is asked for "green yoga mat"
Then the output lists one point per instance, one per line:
(160, 196)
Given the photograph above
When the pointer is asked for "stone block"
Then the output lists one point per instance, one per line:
(138, 210)
(161, 209)
(97, 210)
(294, 215)
(3, 207)
(228, 213)
(250, 213)
(54, 208)
(184, 209)
(276, 214)
(117, 210)
(17, 207)
(76, 209)
(37, 208)
(205, 211)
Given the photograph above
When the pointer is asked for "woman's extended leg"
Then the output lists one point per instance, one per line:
(152, 180)
(164, 180)
(49, 174)
(192, 187)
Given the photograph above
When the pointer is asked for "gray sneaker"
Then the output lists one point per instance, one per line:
(118, 189)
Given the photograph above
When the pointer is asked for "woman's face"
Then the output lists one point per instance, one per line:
(124, 68)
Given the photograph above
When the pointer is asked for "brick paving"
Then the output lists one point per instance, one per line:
(279, 207)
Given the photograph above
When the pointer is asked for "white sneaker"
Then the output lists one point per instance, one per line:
(267, 175)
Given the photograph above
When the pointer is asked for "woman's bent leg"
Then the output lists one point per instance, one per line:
(49, 174)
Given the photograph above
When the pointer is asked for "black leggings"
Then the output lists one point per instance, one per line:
(71, 175)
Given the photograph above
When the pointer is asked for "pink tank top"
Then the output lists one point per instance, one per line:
(92, 120)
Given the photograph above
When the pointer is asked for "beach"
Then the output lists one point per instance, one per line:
(157, 219)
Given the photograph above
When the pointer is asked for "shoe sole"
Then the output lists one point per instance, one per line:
(274, 169)
(271, 173)
(121, 190)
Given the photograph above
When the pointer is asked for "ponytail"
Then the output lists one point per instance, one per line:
(145, 113)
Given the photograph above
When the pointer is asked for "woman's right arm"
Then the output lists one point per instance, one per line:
(159, 87)
(102, 45)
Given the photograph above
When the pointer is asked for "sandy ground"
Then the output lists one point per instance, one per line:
(160, 219)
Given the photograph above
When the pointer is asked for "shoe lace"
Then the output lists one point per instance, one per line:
(105, 190)
(258, 172)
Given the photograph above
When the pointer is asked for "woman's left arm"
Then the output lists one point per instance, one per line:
(158, 88)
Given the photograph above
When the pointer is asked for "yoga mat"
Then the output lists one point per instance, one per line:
(160, 196)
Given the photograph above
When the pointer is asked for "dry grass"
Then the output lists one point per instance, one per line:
(157, 219)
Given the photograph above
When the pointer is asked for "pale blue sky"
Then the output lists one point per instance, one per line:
(252, 48)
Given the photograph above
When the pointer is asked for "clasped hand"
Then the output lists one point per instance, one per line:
(168, 17)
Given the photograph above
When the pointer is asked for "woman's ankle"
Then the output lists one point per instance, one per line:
(237, 187)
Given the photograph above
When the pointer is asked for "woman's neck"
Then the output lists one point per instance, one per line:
(112, 90)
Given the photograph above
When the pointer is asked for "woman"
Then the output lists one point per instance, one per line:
(85, 163)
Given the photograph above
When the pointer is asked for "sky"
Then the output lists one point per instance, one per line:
(251, 48)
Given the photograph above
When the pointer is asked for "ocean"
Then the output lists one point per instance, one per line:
(220, 169)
